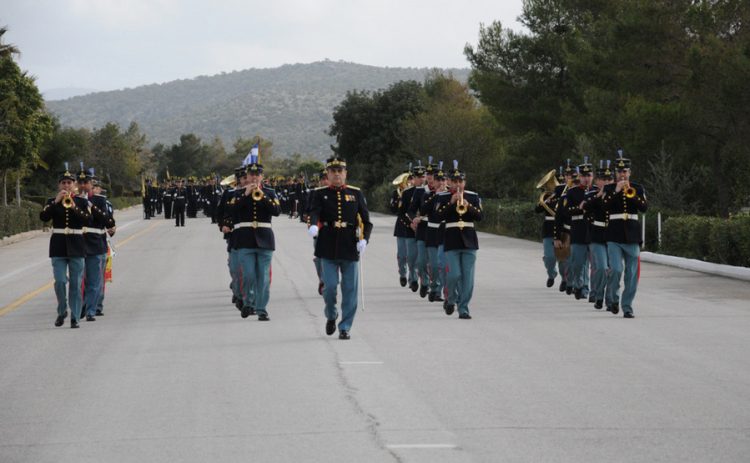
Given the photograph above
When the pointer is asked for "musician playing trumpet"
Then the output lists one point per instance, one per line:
(623, 201)
(69, 215)
(598, 246)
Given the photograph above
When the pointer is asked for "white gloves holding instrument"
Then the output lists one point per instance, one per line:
(361, 246)
(312, 231)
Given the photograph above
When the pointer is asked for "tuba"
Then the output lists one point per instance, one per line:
(400, 182)
(547, 184)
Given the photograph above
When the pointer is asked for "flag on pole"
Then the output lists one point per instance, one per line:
(253, 157)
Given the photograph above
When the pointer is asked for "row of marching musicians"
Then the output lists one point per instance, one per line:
(591, 232)
(82, 218)
(338, 221)
(436, 238)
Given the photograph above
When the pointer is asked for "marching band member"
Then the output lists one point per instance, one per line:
(598, 247)
(67, 248)
(343, 235)
(402, 229)
(253, 238)
(580, 236)
(461, 243)
(435, 235)
(563, 226)
(419, 225)
(623, 201)
(547, 204)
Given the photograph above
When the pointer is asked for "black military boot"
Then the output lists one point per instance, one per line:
(402, 281)
(563, 286)
(422, 291)
(550, 282)
(414, 286)
(599, 304)
(614, 308)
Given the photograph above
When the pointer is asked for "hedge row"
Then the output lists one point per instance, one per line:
(712, 239)
(15, 219)
(121, 202)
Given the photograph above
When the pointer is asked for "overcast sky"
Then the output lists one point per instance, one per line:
(111, 44)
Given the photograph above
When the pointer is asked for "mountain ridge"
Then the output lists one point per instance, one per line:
(291, 104)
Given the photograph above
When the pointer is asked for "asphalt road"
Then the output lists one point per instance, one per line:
(172, 373)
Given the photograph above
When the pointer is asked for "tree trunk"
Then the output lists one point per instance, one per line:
(5, 188)
(18, 189)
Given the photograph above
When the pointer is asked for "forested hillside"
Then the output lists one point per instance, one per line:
(290, 105)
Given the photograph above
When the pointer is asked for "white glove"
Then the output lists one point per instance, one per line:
(361, 246)
(312, 231)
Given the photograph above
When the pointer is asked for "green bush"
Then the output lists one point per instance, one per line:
(15, 219)
(712, 239)
(516, 219)
(121, 202)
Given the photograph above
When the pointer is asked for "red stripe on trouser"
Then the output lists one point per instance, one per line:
(638, 275)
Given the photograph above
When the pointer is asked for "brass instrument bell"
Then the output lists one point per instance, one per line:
(67, 201)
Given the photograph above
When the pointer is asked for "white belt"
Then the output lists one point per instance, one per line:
(566, 226)
(624, 216)
(98, 231)
(600, 224)
(252, 225)
(433, 225)
(577, 217)
(459, 224)
(68, 231)
(549, 218)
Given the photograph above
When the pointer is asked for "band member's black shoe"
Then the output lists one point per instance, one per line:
(320, 288)
(438, 298)
(343, 334)
(579, 293)
(614, 308)
(90, 318)
(245, 312)
(330, 327)
(628, 315)
(402, 280)
(599, 305)
(99, 313)
(449, 308)
(263, 317)
(60, 319)
(73, 324)
(568, 290)
(238, 303)
(422, 291)
(464, 316)
(414, 286)
(563, 286)
(550, 282)
(592, 298)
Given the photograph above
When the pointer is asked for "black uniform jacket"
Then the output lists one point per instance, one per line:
(549, 227)
(594, 209)
(570, 209)
(74, 218)
(403, 222)
(459, 230)
(344, 220)
(224, 209)
(96, 231)
(435, 225)
(250, 220)
(414, 211)
(622, 212)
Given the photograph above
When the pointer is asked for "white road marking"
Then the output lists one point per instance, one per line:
(422, 446)
(360, 363)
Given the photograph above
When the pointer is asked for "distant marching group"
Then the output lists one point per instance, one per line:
(592, 233)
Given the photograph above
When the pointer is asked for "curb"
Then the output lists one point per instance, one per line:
(729, 271)
(21, 237)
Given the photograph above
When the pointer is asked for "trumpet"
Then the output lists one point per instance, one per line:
(257, 192)
(461, 206)
(67, 201)
(629, 192)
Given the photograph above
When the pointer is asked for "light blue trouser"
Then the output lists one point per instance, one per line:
(599, 270)
(234, 272)
(402, 255)
(411, 258)
(256, 277)
(460, 277)
(94, 286)
(579, 267)
(424, 278)
(549, 258)
(630, 254)
(61, 267)
(349, 286)
(436, 264)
